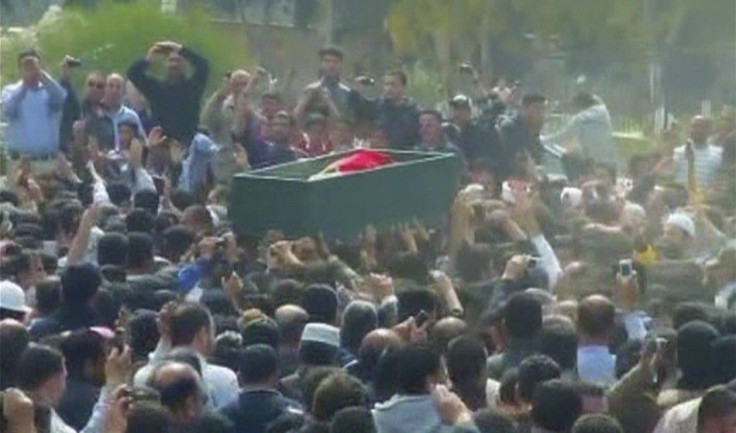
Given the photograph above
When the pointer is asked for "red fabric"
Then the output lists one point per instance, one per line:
(363, 160)
(314, 149)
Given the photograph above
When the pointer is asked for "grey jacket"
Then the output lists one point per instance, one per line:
(413, 413)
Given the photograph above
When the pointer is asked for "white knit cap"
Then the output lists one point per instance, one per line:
(321, 333)
(570, 197)
(683, 222)
(12, 297)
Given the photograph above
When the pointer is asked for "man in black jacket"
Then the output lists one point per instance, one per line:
(473, 140)
(398, 115)
(259, 402)
(519, 134)
(175, 100)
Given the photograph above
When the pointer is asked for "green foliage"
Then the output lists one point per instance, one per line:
(113, 35)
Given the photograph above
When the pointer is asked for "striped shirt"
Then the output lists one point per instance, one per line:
(707, 163)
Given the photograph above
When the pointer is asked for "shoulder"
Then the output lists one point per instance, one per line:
(12, 87)
(219, 372)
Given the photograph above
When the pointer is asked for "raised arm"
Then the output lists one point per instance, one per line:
(56, 92)
(201, 68)
(137, 73)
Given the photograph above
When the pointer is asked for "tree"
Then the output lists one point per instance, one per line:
(111, 36)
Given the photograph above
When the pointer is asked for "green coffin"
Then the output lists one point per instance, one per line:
(282, 197)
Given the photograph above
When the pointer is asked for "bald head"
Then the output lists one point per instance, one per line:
(170, 372)
(699, 129)
(381, 338)
(180, 388)
(114, 90)
(596, 318)
(291, 320)
(445, 330)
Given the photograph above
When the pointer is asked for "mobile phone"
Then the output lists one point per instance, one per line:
(625, 268)
(421, 318)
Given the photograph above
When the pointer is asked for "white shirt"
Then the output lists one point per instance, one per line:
(596, 365)
(707, 163)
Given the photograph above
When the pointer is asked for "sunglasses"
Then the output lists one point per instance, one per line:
(96, 85)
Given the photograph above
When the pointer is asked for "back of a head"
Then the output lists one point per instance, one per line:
(466, 360)
(177, 241)
(359, 318)
(79, 284)
(560, 343)
(336, 392)
(14, 339)
(719, 402)
(36, 365)
(291, 320)
(597, 423)
(596, 316)
(258, 364)
(185, 355)
(534, 370)
(312, 380)
(694, 354)
(445, 330)
(140, 250)
(320, 301)
(493, 421)
(79, 348)
(724, 359)
(261, 331)
(112, 249)
(147, 200)
(187, 320)
(686, 312)
(522, 316)
(140, 220)
(176, 382)
(414, 300)
(414, 364)
(148, 418)
(143, 333)
(556, 406)
(353, 419)
(119, 193)
(319, 344)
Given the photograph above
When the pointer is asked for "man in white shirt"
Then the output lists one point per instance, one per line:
(190, 325)
(596, 322)
(706, 157)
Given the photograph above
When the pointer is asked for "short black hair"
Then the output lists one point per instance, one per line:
(686, 312)
(119, 193)
(353, 419)
(263, 330)
(414, 364)
(140, 250)
(695, 354)
(182, 199)
(143, 333)
(533, 371)
(176, 242)
(147, 199)
(414, 300)
(561, 344)
(14, 339)
(148, 418)
(401, 75)
(112, 249)
(48, 295)
(532, 98)
(316, 353)
(187, 320)
(556, 406)
(493, 421)
(724, 359)
(597, 423)
(434, 113)
(336, 392)
(258, 363)
(522, 316)
(80, 283)
(79, 348)
(466, 359)
(140, 220)
(358, 320)
(37, 364)
(28, 53)
(331, 50)
(320, 301)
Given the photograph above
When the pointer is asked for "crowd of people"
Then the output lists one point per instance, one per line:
(601, 301)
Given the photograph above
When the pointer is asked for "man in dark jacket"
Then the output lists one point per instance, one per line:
(175, 100)
(519, 134)
(259, 402)
(473, 140)
(398, 115)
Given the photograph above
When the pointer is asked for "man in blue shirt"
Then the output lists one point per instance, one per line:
(32, 108)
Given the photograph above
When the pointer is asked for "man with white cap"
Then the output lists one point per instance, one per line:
(319, 346)
(12, 301)
(678, 236)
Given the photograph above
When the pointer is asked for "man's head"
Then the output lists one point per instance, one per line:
(560, 342)
(394, 86)
(373, 346)
(466, 362)
(14, 339)
(679, 230)
(12, 301)
(198, 220)
(320, 301)
(95, 87)
(430, 127)
(42, 374)
(175, 66)
(522, 316)
(342, 133)
(191, 325)
(239, 80)
(84, 353)
(533, 371)
(291, 320)
(112, 249)
(330, 62)
(319, 344)
(717, 412)
(259, 365)
(359, 318)
(337, 391)
(79, 284)
(114, 90)
(556, 406)
(596, 319)
(140, 252)
(417, 369)
(695, 354)
(29, 63)
(353, 419)
(263, 330)
(271, 103)
(462, 112)
(700, 127)
(281, 125)
(532, 110)
(597, 423)
(445, 330)
(181, 390)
